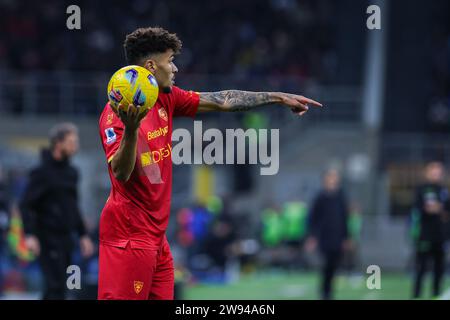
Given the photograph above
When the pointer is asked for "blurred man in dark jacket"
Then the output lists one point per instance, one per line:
(51, 215)
(328, 228)
(430, 213)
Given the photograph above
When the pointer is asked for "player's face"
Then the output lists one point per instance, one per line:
(164, 70)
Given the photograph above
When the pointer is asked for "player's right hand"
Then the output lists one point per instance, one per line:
(32, 243)
(132, 117)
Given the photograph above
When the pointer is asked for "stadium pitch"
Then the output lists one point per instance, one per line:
(305, 286)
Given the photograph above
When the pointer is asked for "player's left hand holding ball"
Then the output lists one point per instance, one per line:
(131, 118)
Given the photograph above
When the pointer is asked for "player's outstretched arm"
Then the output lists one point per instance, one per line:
(236, 100)
(124, 159)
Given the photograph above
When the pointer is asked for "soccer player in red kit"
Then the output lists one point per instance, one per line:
(135, 261)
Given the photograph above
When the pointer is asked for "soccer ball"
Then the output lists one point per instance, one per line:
(132, 85)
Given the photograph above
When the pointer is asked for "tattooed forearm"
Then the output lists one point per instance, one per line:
(235, 100)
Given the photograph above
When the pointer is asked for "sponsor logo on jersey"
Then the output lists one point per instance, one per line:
(162, 131)
(155, 156)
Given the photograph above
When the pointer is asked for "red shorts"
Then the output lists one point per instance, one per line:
(135, 274)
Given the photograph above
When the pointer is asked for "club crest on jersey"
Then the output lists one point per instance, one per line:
(110, 135)
(163, 114)
(138, 285)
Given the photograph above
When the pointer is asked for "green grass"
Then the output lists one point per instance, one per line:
(304, 286)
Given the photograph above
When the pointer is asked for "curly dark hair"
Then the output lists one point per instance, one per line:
(146, 41)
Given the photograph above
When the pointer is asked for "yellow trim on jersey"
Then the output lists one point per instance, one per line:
(110, 158)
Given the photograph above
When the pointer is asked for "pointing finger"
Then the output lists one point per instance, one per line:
(311, 101)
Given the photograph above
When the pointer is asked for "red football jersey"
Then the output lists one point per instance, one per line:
(137, 211)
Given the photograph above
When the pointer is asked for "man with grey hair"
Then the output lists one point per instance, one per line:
(328, 228)
(50, 211)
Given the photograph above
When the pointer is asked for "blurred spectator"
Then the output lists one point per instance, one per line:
(184, 232)
(272, 228)
(16, 238)
(193, 230)
(439, 115)
(272, 235)
(328, 228)
(294, 222)
(48, 68)
(294, 218)
(50, 210)
(35, 37)
(207, 233)
(4, 222)
(430, 213)
(220, 239)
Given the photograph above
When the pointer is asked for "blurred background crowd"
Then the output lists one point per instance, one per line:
(33, 38)
(387, 114)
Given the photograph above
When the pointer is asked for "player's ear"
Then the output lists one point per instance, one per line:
(150, 65)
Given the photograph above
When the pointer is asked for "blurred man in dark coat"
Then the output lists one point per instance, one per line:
(50, 211)
(328, 228)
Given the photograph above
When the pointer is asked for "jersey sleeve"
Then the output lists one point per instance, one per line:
(186, 102)
(111, 132)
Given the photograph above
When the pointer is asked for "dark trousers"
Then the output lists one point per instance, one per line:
(429, 252)
(54, 259)
(330, 266)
